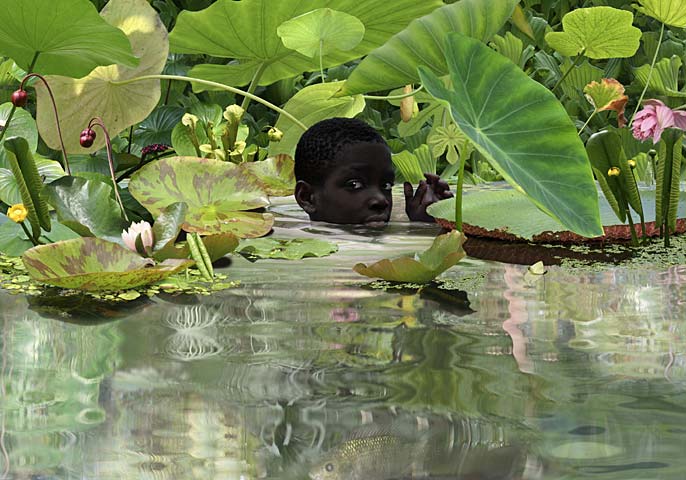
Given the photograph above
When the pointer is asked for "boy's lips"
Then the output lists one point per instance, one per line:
(376, 219)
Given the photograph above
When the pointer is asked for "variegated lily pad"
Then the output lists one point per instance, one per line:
(276, 174)
(95, 264)
(445, 252)
(218, 195)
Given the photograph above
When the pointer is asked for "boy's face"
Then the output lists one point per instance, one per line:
(357, 190)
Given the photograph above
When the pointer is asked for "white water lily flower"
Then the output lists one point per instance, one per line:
(141, 228)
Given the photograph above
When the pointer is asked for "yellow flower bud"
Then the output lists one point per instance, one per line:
(189, 120)
(274, 134)
(632, 163)
(17, 213)
(234, 114)
(613, 172)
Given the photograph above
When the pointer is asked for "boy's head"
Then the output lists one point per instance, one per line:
(344, 173)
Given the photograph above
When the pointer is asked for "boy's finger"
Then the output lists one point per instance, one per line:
(408, 191)
(421, 191)
(432, 177)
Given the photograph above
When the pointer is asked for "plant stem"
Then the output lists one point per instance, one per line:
(57, 118)
(321, 61)
(587, 121)
(98, 121)
(221, 86)
(9, 117)
(632, 229)
(394, 97)
(253, 84)
(458, 195)
(577, 61)
(650, 73)
(128, 148)
(28, 234)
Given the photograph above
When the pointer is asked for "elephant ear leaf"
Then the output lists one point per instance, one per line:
(521, 128)
(670, 12)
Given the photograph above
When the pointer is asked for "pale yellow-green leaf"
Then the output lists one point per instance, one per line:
(120, 106)
(671, 12)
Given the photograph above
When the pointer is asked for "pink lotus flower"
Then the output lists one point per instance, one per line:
(654, 119)
(141, 228)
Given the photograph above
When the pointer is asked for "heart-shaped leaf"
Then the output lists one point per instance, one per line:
(247, 31)
(86, 206)
(157, 128)
(276, 175)
(671, 12)
(597, 32)
(217, 194)
(22, 125)
(66, 37)
(288, 249)
(421, 43)
(522, 129)
(95, 264)
(445, 251)
(321, 31)
(311, 105)
(120, 106)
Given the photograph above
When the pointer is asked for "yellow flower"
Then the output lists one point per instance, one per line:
(632, 163)
(17, 213)
(613, 172)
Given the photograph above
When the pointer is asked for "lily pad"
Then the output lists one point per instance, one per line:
(95, 264)
(288, 249)
(69, 37)
(218, 195)
(445, 252)
(275, 174)
(120, 106)
(596, 32)
(321, 31)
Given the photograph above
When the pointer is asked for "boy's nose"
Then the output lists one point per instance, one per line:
(378, 202)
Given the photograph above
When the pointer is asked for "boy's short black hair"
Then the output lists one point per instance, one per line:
(317, 149)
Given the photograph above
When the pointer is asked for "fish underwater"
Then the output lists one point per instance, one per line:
(390, 456)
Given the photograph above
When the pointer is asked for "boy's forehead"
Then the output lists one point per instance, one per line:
(364, 153)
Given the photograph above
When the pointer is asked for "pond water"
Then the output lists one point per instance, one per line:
(305, 371)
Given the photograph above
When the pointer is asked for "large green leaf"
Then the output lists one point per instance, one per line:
(276, 175)
(671, 12)
(597, 32)
(95, 264)
(321, 31)
(86, 206)
(445, 252)
(421, 43)
(247, 31)
(217, 194)
(22, 125)
(311, 105)
(69, 37)
(120, 106)
(522, 129)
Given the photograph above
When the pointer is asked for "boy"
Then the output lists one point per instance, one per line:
(344, 174)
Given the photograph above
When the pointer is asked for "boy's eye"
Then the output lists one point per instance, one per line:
(354, 184)
(388, 186)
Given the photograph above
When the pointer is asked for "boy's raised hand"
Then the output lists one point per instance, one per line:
(428, 191)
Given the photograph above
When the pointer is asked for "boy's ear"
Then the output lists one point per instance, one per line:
(304, 195)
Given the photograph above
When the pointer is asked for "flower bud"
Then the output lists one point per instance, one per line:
(632, 163)
(274, 134)
(17, 213)
(19, 98)
(141, 228)
(234, 114)
(189, 120)
(408, 105)
(613, 172)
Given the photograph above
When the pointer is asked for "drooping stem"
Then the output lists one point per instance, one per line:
(253, 84)
(216, 85)
(394, 97)
(9, 117)
(577, 61)
(110, 159)
(650, 74)
(57, 118)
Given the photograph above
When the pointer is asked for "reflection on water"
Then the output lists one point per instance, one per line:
(303, 368)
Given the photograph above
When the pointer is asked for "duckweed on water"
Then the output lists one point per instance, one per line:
(14, 280)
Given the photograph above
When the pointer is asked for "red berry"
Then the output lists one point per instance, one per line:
(19, 98)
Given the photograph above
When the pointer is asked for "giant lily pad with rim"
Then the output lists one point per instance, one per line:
(95, 264)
